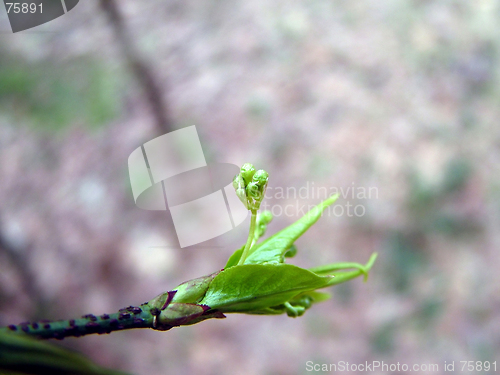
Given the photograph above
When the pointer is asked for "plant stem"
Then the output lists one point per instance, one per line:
(250, 238)
(126, 318)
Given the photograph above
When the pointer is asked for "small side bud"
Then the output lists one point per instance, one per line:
(238, 182)
(291, 252)
(253, 190)
(261, 178)
(263, 219)
(239, 186)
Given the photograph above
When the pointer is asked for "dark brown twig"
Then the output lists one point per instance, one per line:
(140, 69)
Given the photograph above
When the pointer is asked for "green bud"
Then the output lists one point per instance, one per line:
(265, 217)
(290, 253)
(238, 182)
(247, 171)
(304, 301)
(253, 190)
(250, 186)
(193, 291)
(261, 177)
(239, 186)
(161, 301)
(294, 311)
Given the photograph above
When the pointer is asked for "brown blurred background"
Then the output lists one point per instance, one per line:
(398, 96)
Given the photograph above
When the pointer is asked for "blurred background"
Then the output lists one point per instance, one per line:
(402, 97)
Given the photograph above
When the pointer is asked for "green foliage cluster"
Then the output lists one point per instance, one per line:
(256, 279)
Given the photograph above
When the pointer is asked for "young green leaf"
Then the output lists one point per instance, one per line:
(233, 259)
(274, 248)
(256, 286)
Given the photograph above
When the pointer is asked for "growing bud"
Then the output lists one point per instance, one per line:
(250, 186)
(239, 186)
(247, 171)
(263, 219)
(254, 196)
(261, 177)
(292, 250)
(253, 190)
(193, 291)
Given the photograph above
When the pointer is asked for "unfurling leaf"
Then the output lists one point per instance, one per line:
(274, 248)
